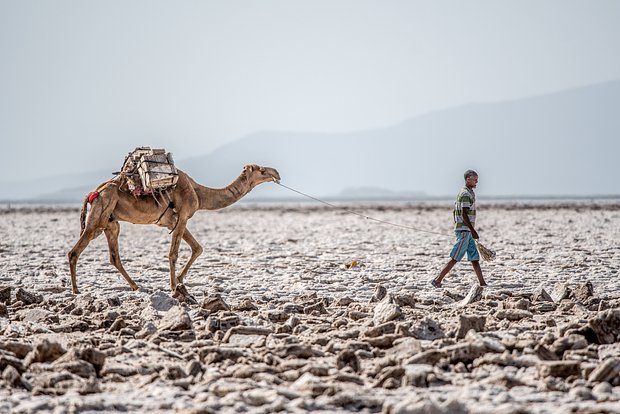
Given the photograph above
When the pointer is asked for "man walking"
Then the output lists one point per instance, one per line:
(464, 220)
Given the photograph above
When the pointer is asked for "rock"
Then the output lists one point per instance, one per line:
(194, 368)
(310, 384)
(521, 303)
(580, 393)
(413, 405)
(297, 351)
(11, 376)
(16, 363)
(228, 322)
(606, 326)
(464, 352)
(583, 292)
(405, 299)
(607, 371)
(246, 336)
(28, 298)
(390, 377)
(383, 341)
(245, 305)
(358, 315)
(176, 319)
(93, 356)
(174, 372)
(427, 329)
(4, 312)
(468, 322)
(147, 330)
(541, 295)
(416, 375)
(545, 354)
(474, 295)
(20, 349)
(5, 295)
(214, 354)
(503, 379)
(162, 302)
(559, 368)
(348, 358)
(119, 369)
(118, 324)
(430, 357)
(602, 390)
(91, 386)
(316, 307)
(565, 343)
(379, 293)
(385, 328)
(386, 311)
(560, 292)
(513, 314)
(342, 301)
(72, 363)
(44, 351)
(214, 303)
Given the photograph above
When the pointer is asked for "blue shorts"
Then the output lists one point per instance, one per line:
(464, 243)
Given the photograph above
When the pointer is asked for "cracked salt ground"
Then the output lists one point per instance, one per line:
(283, 324)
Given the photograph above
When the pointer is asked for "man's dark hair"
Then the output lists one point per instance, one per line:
(470, 173)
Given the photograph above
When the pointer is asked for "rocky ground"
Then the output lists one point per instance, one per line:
(298, 309)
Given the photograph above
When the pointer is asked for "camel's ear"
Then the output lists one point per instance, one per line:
(248, 168)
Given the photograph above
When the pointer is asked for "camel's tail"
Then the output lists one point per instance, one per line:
(83, 215)
(87, 200)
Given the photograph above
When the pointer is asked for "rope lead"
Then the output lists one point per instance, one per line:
(359, 214)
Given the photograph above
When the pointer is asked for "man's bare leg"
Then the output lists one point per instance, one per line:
(437, 281)
(478, 270)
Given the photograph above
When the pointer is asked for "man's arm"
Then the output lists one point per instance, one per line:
(470, 226)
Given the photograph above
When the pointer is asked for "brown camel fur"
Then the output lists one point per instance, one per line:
(115, 203)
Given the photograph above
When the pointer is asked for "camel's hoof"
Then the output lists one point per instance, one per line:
(75, 291)
(134, 287)
(181, 294)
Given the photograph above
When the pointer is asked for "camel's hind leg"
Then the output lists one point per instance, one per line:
(87, 236)
(92, 227)
(196, 251)
(111, 233)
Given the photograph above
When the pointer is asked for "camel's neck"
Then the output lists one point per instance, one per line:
(217, 198)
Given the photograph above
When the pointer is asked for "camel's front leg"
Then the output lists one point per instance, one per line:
(196, 251)
(87, 236)
(177, 234)
(111, 233)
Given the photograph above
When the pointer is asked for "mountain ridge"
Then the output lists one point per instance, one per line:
(510, 143)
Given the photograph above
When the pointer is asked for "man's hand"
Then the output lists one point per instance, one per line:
(474, 234)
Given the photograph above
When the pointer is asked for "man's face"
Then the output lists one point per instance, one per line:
(472, 181)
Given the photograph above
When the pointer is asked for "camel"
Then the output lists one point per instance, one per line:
(112, 203)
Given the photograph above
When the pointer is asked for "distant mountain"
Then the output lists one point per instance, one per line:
(564, 143)
(558, 144)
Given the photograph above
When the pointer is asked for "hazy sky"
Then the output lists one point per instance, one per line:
(84, 82)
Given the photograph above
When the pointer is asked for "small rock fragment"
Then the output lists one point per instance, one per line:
(214, 303)
(474, 295)
(28, 298)
(468, 322)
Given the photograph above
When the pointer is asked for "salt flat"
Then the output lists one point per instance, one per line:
(310, 308)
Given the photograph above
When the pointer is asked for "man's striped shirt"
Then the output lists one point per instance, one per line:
(467, 199)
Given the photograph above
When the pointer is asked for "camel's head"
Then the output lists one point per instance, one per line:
(259, 175)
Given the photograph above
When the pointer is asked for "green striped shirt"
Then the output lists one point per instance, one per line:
(467, 199)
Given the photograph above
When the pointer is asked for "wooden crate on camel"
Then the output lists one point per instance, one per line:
(149, 170)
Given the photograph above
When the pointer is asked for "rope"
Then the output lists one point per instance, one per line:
(360, 214)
